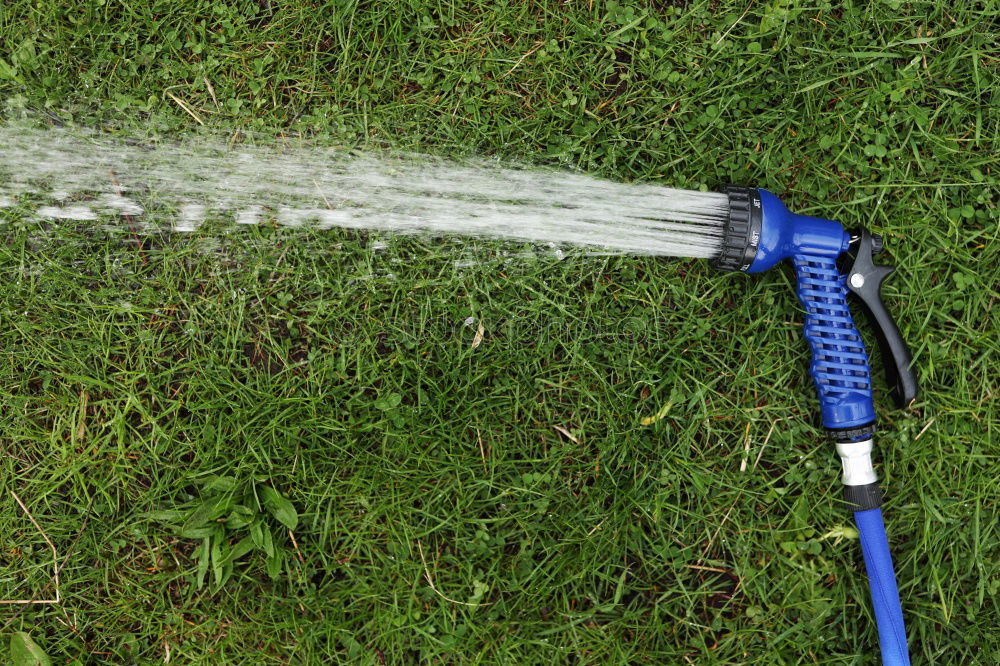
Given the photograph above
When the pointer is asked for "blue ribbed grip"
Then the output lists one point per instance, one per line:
(882, 581)
(839, 361)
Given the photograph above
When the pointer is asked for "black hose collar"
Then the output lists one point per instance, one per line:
(863, 498)
(851, 434)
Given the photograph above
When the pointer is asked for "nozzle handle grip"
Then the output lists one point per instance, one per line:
(839, 365)
(864, 279)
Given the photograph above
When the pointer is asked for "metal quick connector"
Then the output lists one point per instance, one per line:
(856, 458)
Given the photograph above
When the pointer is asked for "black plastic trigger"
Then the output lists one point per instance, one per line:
(864, 279)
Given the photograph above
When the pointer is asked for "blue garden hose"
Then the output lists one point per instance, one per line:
(829, 263)
(882, 581)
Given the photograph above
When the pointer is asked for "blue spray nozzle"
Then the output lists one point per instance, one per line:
(785, 234)
(829, 262)
(760, 231)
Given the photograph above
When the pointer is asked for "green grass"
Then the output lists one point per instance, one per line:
(136, 390)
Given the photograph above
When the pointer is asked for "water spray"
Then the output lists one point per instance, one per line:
(738, 229)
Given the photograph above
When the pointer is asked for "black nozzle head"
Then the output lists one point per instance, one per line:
(741, 234)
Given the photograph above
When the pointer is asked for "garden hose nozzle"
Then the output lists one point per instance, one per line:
(830, 263)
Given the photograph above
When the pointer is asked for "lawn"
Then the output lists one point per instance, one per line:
(299, 448)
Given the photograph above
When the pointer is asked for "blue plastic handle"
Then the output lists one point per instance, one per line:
(839, 361)
(882, 582)
(839, 364)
